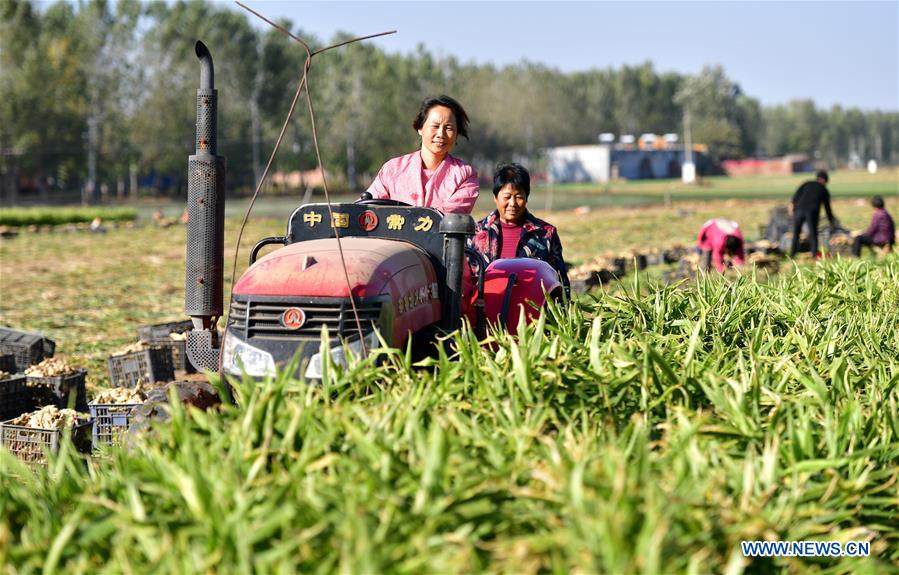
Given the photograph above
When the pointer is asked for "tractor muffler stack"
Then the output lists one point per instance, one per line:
(456, 228)
(205, 226)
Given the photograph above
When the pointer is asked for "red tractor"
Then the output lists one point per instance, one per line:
(406, 269)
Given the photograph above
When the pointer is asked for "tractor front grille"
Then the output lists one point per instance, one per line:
(262, 319)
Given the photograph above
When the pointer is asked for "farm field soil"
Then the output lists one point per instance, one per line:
(644, 432)
(619, 194)
(846, 183)
(617, 230)
(89, 291)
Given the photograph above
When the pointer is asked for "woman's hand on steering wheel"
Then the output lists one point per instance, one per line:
(380, 202)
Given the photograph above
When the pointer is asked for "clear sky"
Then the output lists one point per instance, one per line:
(843, 52)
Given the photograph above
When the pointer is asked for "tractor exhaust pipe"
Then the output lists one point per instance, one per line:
(455, 229)
(207, 71)
(205, 225)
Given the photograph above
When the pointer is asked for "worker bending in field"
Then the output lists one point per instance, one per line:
(718, 238)
(511, 231)
(881, 232)
(431, 177)
(806, 207)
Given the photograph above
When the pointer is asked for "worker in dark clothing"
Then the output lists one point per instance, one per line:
(806, 205)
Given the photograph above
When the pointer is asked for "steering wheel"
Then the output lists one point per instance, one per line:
(380, 202)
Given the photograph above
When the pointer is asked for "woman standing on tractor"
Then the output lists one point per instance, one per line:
(512, 231)
(431, 177)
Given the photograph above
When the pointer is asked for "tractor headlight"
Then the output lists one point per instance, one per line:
(238, 354)
(339, 355)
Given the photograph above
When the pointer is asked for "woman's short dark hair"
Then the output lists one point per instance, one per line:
(732, 244)
(442, 100)
(514, 174)
(877, 202)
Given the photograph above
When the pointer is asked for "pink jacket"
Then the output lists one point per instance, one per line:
(452, 188)
(712, 237)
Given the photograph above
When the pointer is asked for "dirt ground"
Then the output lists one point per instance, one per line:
(90, 292)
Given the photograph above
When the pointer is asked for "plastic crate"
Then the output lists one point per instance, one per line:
(110, 421)
(15, 397)
(178, 349)
(57, 389)
(8, 363)
(655, 259)
(158, 331)
(28, 348)
(31, 445)
(151, 365)
(673, 255)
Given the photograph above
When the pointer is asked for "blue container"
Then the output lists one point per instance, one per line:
(110, 421)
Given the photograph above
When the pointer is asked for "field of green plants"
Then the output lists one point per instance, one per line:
(643, 433)
(643, 429)
(54, 216)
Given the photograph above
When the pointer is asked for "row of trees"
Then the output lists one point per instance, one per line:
(100, 95)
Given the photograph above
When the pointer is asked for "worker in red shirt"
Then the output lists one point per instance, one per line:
(717, 238)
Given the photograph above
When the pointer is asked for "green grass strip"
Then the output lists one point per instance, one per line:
(44, 216)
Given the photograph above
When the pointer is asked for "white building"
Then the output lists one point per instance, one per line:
(590, 163)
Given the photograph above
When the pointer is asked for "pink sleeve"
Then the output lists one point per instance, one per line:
(463, 199)
(718, 259)
(738, 257)
(378, 189)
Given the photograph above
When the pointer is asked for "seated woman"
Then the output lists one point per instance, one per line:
(512, 231)
(431, 177)
(881, 232)
(718, 238)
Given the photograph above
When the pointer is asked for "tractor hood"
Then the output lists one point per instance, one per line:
(313, 268)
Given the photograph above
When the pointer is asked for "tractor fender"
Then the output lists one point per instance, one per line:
(514, 284)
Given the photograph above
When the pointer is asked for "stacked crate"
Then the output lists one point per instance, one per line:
(15, 396)
(110, 421)
(147, 365)
(27, 348)
(160, 335)
(66, 390)
(32, 444)
(153, 363)
(21, 393)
